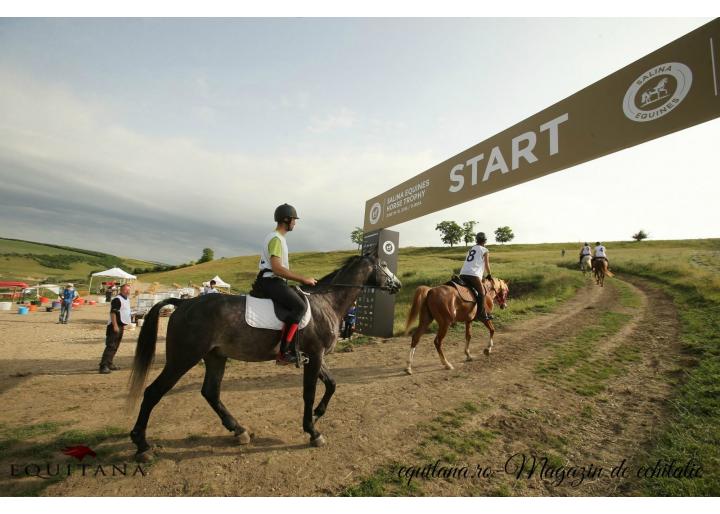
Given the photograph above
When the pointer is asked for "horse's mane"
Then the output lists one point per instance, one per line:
(323, 283)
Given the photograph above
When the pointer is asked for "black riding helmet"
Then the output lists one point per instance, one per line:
(285, 211)
(480, 237)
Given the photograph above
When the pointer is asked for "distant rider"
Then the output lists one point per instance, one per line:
(600, 253)
(476, 263)
(585, 250)
(273, 276)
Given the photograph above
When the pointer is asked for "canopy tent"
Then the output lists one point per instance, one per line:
(218, 282)
(55, 288)
(112, 272)
(14, 285)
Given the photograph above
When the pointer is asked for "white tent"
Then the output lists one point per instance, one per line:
(219, 282)
(113, 273)
(54, 288)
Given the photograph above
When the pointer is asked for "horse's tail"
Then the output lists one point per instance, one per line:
(417, 304)
(145, 350)
(607, 271)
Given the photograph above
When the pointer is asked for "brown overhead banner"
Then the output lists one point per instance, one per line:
(668, 90)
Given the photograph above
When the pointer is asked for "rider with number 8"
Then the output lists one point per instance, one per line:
(476, 264)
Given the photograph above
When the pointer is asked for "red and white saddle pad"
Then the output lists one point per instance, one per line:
(260, 313)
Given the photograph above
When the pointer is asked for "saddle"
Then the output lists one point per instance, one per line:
(262, 312)
(465, 290)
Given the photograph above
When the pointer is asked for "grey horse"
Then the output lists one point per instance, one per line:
(213, 328)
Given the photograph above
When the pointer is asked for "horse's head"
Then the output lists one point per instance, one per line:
(501, 290)
(381, 276)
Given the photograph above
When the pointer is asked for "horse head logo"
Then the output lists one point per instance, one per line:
(79, 451)
(656, 93)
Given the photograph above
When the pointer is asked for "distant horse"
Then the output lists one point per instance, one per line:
(447, 304)
(586, 264)
(213, 328)
(600, 269)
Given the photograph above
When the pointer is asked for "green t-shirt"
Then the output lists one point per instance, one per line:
(275, 247)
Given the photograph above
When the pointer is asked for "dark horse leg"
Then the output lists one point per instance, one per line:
(214, 372)
(168, 377)
(329, 382)
(310, 379)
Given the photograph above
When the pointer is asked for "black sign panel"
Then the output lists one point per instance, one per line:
(375, 307)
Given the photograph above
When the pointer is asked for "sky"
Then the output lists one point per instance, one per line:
(155, 138)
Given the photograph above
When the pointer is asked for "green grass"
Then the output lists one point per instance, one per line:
(383, 482)
(694, 427)
(39, 262)
(575, 364)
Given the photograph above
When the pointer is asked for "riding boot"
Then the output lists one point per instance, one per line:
(287, 354)
(480, 314)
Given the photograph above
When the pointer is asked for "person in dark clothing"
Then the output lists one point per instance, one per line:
(119, 317)
(273, 276)
(349, 322)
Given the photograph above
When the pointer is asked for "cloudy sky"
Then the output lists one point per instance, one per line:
(155, 138)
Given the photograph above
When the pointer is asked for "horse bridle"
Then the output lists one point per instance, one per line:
(500, 292)
(376, 267)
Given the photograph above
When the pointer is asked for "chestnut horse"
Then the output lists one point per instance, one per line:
(446, 305)
(600, 269)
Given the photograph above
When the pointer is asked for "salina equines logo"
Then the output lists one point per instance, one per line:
(657, 91)
(375, 212)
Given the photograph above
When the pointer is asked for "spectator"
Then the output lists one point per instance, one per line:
(349, 322)
(66, 299)
(210, 289)
(119, 317)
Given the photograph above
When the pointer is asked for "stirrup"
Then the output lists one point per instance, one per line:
(301, 358)
(285, 359)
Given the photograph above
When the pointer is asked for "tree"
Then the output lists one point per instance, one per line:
(640, 236)
(504, 234)
(207, 255)
(469, 232)
(452, 233)
(357, 236)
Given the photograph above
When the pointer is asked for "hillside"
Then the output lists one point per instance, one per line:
(538, 275)
(31, 261)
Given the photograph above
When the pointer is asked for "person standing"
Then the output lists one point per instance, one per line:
(66, 299)
(119, 317)
(476, 264)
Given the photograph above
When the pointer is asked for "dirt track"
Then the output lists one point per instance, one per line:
(373, 418)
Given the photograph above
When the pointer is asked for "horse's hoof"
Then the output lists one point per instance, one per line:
(318, 441)
(144, 457)
(468, 359)
(449, 367)
(243, 437)
(408, 371)
(486, 351)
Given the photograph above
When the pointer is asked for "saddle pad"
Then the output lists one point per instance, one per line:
(260, 313)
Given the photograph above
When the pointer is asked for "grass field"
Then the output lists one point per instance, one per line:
(37, 262)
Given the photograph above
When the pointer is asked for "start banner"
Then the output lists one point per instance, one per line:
(668, 90)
